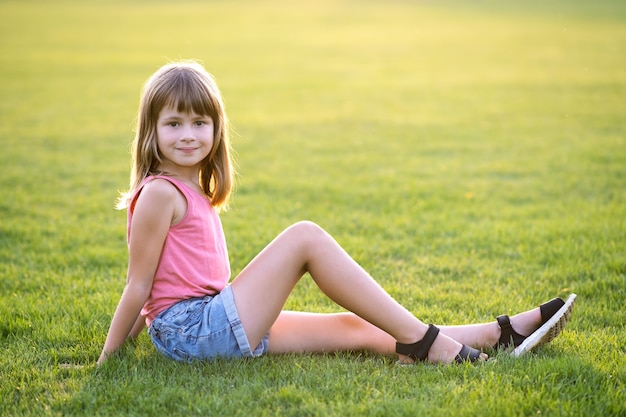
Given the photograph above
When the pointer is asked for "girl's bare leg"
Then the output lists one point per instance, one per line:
(316, 333)
(262, 288)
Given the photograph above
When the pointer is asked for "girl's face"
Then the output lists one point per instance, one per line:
(184, 139)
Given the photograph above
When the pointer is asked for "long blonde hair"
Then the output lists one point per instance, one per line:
(188, 87)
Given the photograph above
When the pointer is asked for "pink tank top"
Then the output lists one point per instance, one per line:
(194, 260)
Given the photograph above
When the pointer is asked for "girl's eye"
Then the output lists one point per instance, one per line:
(173, 124)
(200, 123)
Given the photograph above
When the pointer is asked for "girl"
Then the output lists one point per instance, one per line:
(178, 269)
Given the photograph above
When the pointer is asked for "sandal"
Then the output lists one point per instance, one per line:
(418, 351)
(554, 315)
(549, 330)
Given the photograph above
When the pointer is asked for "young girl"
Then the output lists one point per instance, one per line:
(178, 269)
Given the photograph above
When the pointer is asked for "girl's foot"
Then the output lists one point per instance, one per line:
(525, 326)
(435, 349)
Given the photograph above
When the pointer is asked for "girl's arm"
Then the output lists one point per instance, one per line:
(140, 324)
(152, 217)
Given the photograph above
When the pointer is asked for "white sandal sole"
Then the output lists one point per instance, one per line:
(549, 330)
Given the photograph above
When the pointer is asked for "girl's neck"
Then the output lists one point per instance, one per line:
(194, 185)
(189, 178)
(183, 178)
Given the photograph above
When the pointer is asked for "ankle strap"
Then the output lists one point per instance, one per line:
(419, 350)
(504, 322)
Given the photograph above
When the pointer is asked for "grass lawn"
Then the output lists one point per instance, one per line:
(470, 155)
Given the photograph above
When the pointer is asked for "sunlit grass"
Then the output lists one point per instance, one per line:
(471, 156)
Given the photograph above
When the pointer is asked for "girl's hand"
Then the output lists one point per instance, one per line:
(103, 357)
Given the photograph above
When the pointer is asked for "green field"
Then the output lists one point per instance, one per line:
(470, 155)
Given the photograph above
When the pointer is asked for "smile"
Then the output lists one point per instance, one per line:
(187, 150)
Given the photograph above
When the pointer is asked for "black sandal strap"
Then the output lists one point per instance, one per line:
(467, 354)
(508, 336)
(549, 309)
(419, 350)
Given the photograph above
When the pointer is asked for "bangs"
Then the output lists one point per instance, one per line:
(186, 92)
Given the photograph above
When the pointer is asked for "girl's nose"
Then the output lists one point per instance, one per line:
(188, 134)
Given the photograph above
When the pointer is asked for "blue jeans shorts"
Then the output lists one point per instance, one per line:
(202, 329)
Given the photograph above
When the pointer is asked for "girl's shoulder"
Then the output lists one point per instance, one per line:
(162, 193)
(160, 188)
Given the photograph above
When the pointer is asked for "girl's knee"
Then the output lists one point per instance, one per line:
(355, 328)
(307, 239)
(353, 322)
(306, 229)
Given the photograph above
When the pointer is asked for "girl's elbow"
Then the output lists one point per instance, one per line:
(139, 289)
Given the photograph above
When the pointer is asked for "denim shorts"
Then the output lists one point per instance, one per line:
(202, 329)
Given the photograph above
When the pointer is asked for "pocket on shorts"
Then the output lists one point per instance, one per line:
(171, 329)
(184, 313)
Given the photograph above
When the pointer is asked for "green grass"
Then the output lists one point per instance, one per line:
(471, 155)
